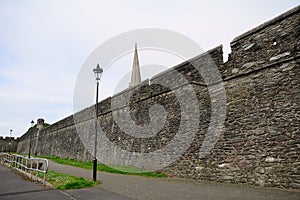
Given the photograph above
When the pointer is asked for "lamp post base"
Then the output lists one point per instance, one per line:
(95, 170)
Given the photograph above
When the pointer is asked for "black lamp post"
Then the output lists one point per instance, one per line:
(98, 72)
(30, 133)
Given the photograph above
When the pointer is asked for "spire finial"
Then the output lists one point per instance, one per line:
(136, 74)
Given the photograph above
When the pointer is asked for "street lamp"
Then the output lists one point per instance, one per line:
(9, 139)
(98, 72)
(30, 133)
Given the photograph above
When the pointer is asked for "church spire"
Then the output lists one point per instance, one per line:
(136, 74)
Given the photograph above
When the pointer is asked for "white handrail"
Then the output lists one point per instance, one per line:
(39, 165)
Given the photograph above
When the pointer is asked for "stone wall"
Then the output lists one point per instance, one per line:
(8, 144)
(260, 142)
(59, 139)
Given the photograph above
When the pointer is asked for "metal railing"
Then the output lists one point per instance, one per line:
(33, 166)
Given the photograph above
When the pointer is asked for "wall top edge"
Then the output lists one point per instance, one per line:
(281, 17)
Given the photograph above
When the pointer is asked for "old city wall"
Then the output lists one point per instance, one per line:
(260, 141)
(59, 139)
(260, 144)
(8, 144)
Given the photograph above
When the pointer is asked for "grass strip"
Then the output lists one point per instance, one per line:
(105, 168)
(64, 181)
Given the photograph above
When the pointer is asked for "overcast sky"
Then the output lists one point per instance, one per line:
(44, 43)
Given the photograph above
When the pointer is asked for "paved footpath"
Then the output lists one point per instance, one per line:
(144, 188)
(14, 186)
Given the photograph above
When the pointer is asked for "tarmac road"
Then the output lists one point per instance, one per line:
(124, 187)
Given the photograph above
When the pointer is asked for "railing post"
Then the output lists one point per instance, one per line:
(15, 160)
(30, 169)
(36, 173)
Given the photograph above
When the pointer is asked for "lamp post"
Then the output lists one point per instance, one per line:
(98, 72)
(9, 139)
(30, 137)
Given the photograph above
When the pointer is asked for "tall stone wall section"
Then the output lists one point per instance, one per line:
(8, 144)
(260, 142)
(59, 139)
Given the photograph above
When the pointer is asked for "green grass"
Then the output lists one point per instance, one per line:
(63, 181)
(105, 168)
